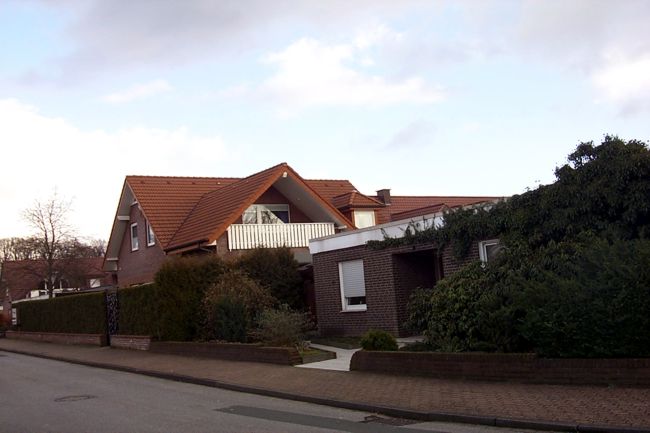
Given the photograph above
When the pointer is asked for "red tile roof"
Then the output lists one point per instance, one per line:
(328, 189)
(23, 276)
(217, 210)
(406, 203)
(355, 199)
(166, 201)
(419, 212)
(186, 210)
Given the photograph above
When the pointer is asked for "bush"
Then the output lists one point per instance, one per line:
(79, 314)
(138, 313)
(234, 293)
(588, 299)
(378, 340)
(283, 327)
(277, 269)
(229, 320)
(179, 288)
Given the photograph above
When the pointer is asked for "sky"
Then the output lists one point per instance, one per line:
(467, 97)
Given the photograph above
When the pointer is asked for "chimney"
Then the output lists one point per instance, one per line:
(384, 196)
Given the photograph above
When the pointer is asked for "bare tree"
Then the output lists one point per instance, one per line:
(49, 220)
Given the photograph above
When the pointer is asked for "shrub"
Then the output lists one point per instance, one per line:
(588, 299)
(228, 320)
(376, 339)
(233, 293)
(277, 269)
(180, 285)
(138, 313)
(283, 327)
(80, 314)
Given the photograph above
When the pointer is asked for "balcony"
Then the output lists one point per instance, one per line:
(249, 236)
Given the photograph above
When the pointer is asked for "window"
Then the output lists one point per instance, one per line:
(94, 282)
(134, 237)
(151, 238)
(487, 250)
(353, 285)
(266, 214)
(364, 218)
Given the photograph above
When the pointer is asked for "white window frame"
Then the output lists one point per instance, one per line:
(482, 248)
(94, 282)
(135, 241)
(361, 213)
(151, 237)
(259, 208)
(344, 300)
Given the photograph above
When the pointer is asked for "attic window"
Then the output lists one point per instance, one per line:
(151, 238)
(364, 218)
(135, 244)
(266, 214)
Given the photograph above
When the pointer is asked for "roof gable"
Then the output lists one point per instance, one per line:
(217, 210)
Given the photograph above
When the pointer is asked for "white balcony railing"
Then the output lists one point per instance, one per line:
(248, 236)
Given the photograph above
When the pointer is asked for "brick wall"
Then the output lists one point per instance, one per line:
(135, 342)
(61, 338)
(391, 274)
(230, 351)
(138, 267)
(526, 368)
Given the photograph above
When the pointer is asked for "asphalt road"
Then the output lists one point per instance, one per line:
(39, 395)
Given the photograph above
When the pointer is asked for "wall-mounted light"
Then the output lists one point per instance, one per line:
(284, 174)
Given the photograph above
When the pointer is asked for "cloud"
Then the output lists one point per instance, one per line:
(110, 35)
(138, 91)
(626, 82)
(606, 41)
(42, 153)
(414, 135)
(311, 73)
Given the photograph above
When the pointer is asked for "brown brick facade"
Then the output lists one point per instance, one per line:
(391, 275)
(140, 266)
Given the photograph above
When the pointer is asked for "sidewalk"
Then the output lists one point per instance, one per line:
(570, 408)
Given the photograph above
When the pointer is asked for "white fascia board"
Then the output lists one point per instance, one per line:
(394, 229)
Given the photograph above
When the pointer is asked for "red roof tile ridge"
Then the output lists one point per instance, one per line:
(327, 180)
(147, 176)
(446, 196)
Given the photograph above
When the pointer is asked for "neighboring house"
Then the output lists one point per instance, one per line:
(25, 279)
(358, 288)
(158, 216)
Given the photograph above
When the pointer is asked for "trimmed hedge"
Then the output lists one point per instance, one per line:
(80, 314)
(137, 311)
(179, 288)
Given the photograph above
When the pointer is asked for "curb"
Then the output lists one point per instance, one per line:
(363, 407)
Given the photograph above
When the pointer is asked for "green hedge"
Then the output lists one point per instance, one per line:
(81, 314)
(179, 287)
(137, 311)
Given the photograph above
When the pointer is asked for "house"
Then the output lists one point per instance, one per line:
(159, 216)
(24, 279)
(358, 288)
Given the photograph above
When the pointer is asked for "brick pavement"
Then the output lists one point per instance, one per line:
(572, 405)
